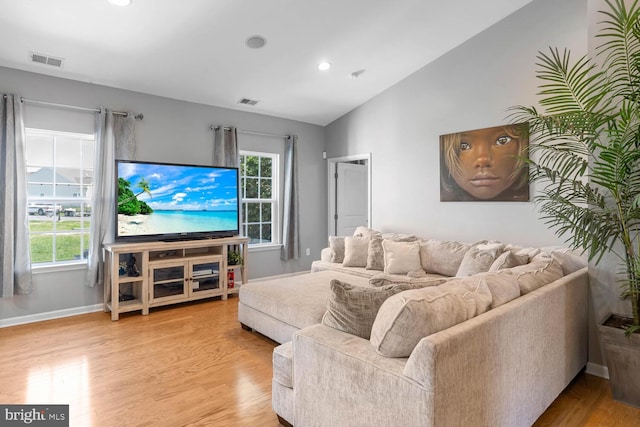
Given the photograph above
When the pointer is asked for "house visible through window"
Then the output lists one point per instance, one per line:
(59, 182)
(259, 194)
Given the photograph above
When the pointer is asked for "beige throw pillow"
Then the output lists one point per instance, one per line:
(383, 279)
(355, 251)
(404, 319)
(362, 231)
(542, 270)
(442, 257)
(508, 260)
(375, 256)
(478, 260)
(336, 244)
(503, 286)
(401, 257)
(352, 309)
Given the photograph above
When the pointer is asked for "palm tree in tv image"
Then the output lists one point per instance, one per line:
(128, 203)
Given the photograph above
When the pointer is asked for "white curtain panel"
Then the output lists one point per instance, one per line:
(14, 239)
(115, 133)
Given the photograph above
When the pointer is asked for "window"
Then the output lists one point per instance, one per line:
(259, 193)
(59, 184)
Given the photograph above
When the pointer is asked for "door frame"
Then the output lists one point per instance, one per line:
(331, 186)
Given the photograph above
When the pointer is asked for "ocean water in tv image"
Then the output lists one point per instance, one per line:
(165, 222)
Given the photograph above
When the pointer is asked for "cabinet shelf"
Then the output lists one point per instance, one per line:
(170, 272)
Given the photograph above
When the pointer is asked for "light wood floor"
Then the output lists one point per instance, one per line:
(193, 365)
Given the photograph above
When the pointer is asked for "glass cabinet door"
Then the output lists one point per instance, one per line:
(205, 276)
(168, 282)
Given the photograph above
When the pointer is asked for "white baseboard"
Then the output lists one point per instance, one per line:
(597, 370)
(39, 317)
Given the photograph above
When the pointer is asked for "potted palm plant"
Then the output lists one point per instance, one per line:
(585, 156)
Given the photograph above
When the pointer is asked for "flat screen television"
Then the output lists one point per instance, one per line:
(165, 201)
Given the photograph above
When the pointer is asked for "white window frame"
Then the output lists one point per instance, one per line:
(61, 201)
(274, 200)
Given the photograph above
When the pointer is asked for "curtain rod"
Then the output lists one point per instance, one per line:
(250, 132)
(74, 107)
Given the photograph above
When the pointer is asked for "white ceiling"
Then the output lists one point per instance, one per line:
(194, 50)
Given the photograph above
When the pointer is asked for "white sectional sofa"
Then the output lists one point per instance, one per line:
(364, 347)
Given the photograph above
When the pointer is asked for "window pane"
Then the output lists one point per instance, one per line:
(252, 165)
(39, 150)
(68, 152)
(88, 153)
(253, 212)
(265, 188)
(266, 212)
(253, 233)
(265, 167)
(68, 247)
(41, 248)
(251, 188)
(68, 182)
(242, 168)
(266, 233)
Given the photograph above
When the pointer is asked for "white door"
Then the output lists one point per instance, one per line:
(351, 198)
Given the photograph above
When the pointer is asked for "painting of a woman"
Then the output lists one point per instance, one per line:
(485, 165)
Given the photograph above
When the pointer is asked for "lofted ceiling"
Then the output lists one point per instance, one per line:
(194, 50)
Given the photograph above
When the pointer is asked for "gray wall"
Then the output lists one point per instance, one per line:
(468, 88)
(171, 131)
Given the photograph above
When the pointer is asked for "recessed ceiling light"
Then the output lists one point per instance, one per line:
(120, 2)
(324, 66)
(255, 42)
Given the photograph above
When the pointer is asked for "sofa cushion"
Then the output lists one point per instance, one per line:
(355, 251)
(404, 319)
(508, 259)
(375, 254)
(478, 259)
(299, 300)
(542, 270)
(283, 364)
(336, 244)
(442, 257)
(401, 257)
(352, 309)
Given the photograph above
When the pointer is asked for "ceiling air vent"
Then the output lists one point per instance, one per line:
(247, 101)
(46, 60)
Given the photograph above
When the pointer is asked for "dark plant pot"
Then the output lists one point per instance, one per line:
(623, 360)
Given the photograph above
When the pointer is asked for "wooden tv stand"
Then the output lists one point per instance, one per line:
(169, 273)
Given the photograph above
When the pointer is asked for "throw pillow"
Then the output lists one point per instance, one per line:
(399, 237)
(503, 286)
(352, 309)
(375, 255)
(336, 244)
(442, 257)
(478, 260)
(404, 319)
(355, 251)
(542, 270)
(362, 231)
(383, 279)
(401, 257)
(508, 260)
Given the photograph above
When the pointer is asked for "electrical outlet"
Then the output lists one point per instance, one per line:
(308, 251)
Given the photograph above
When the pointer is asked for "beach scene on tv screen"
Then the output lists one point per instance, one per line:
(168, 199)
